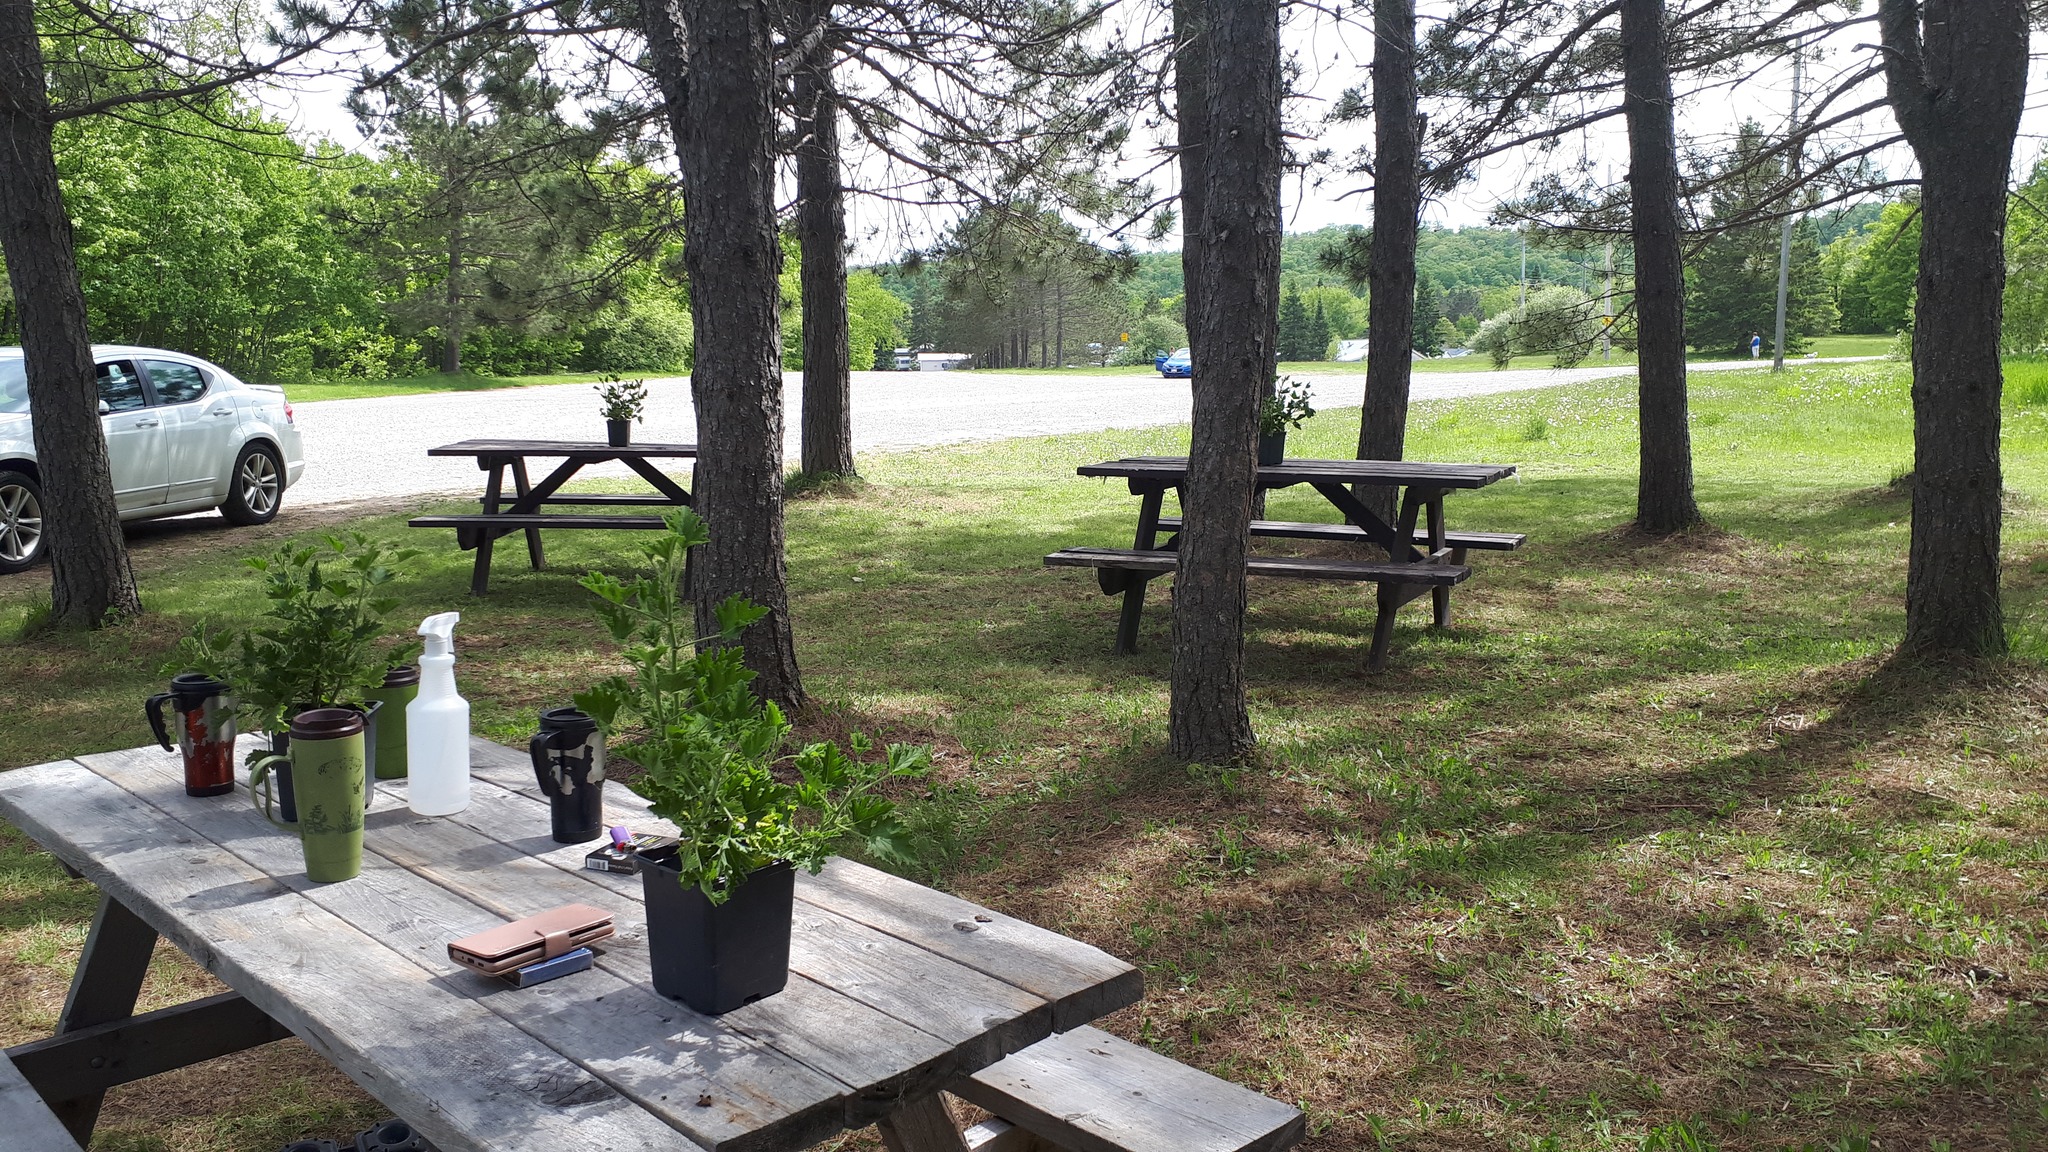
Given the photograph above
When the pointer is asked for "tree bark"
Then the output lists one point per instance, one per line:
(821, 238)
(1956, 73)
(1191, 115)
(90, 581)
(1396, 216)
(1664, 496)
(715, 66)
(1238, 293)
(451, 320)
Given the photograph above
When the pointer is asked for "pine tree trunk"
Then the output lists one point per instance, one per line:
(1191, 114)
(723, 122)
(451, 321)
(1238, 290)
(1664, 497)
(1957, 76)
(1396, 215)
(821, 238)
(90, 581)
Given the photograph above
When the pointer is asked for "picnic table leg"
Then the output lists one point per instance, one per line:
(1383, 628)
(925, 1124)
(1134, 591)
(480, 576)
(1440, 597)
(103, 990)
(534, 555)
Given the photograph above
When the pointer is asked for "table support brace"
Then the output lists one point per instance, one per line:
(83, 1064)
(925, 1124)
(103, 990)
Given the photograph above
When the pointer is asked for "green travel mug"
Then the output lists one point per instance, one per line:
(326, 762)
(400, 686)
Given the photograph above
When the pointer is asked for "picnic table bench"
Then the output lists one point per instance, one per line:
(897, 994)
(524, 511)
(1423, 557)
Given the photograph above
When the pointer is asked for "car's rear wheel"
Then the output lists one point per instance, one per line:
(21, 522)
(256, 490)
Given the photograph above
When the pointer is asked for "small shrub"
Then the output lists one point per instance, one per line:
(1536, 429)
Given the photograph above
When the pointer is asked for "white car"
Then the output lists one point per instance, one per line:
(183, 435)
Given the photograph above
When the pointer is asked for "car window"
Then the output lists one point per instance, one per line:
(120, 387)
(175, 383)
(13, 386)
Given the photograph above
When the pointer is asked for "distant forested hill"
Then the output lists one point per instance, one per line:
(1472, 258)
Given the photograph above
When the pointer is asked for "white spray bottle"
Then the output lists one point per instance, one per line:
(437, 726)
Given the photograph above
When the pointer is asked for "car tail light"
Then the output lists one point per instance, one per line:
(288, 413)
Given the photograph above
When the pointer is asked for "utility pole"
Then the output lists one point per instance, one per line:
(1525, 267)
(1607, 307)
(1785, 235)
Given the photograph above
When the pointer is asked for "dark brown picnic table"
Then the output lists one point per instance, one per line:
(523, 510)
(1422, 557)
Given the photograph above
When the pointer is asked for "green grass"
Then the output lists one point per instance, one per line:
(1650, 841)
(1824, 347)
(436, 382)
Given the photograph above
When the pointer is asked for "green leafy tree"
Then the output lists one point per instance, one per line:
(1295, 335)
(493, 201)
(1732, 281)
(1876, 268)
(1318, 331)
(1429, 314)
(875, 318)
(2026, 263)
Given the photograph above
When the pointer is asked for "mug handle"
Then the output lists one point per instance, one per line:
(543, 766)
(259, 777)
(154, 709)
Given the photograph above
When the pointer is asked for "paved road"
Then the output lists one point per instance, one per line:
(376, 448)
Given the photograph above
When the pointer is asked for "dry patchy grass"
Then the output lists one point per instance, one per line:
(1654, 836)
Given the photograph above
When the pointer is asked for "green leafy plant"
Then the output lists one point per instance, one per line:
(1287, 407)
(320, 642)
(716, 757)
(622, 399)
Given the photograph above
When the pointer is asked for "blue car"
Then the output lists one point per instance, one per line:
(1180, 364)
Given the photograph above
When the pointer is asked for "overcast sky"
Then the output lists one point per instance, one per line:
(1331, 57)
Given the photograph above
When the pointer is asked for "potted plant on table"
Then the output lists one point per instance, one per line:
(717, 763)
(622, 401)
(321, 643)
(1286, 408)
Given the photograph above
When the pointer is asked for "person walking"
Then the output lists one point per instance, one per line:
(1756, 345)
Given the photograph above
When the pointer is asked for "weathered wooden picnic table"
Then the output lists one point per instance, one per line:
(1422, 556)
(522, 512)
(896, 991)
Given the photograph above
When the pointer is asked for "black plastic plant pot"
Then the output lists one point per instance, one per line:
(716, 957)
(618, 432)
(281, 743)
(1272, 447)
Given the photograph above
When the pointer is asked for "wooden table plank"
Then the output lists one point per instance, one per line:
(467, 1079)
(665, 1058)
(869, 1053)
(1173, 469)
(891, 1007)
(574, 449)
(1082, 982)
(26, 1118)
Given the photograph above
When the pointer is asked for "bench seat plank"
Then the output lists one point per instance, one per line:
(510, 520)
(1295, 567)
(24, 1117)
(1090, 1092)
(1316, 530)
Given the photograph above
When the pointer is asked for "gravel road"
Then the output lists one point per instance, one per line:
(375, 448)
